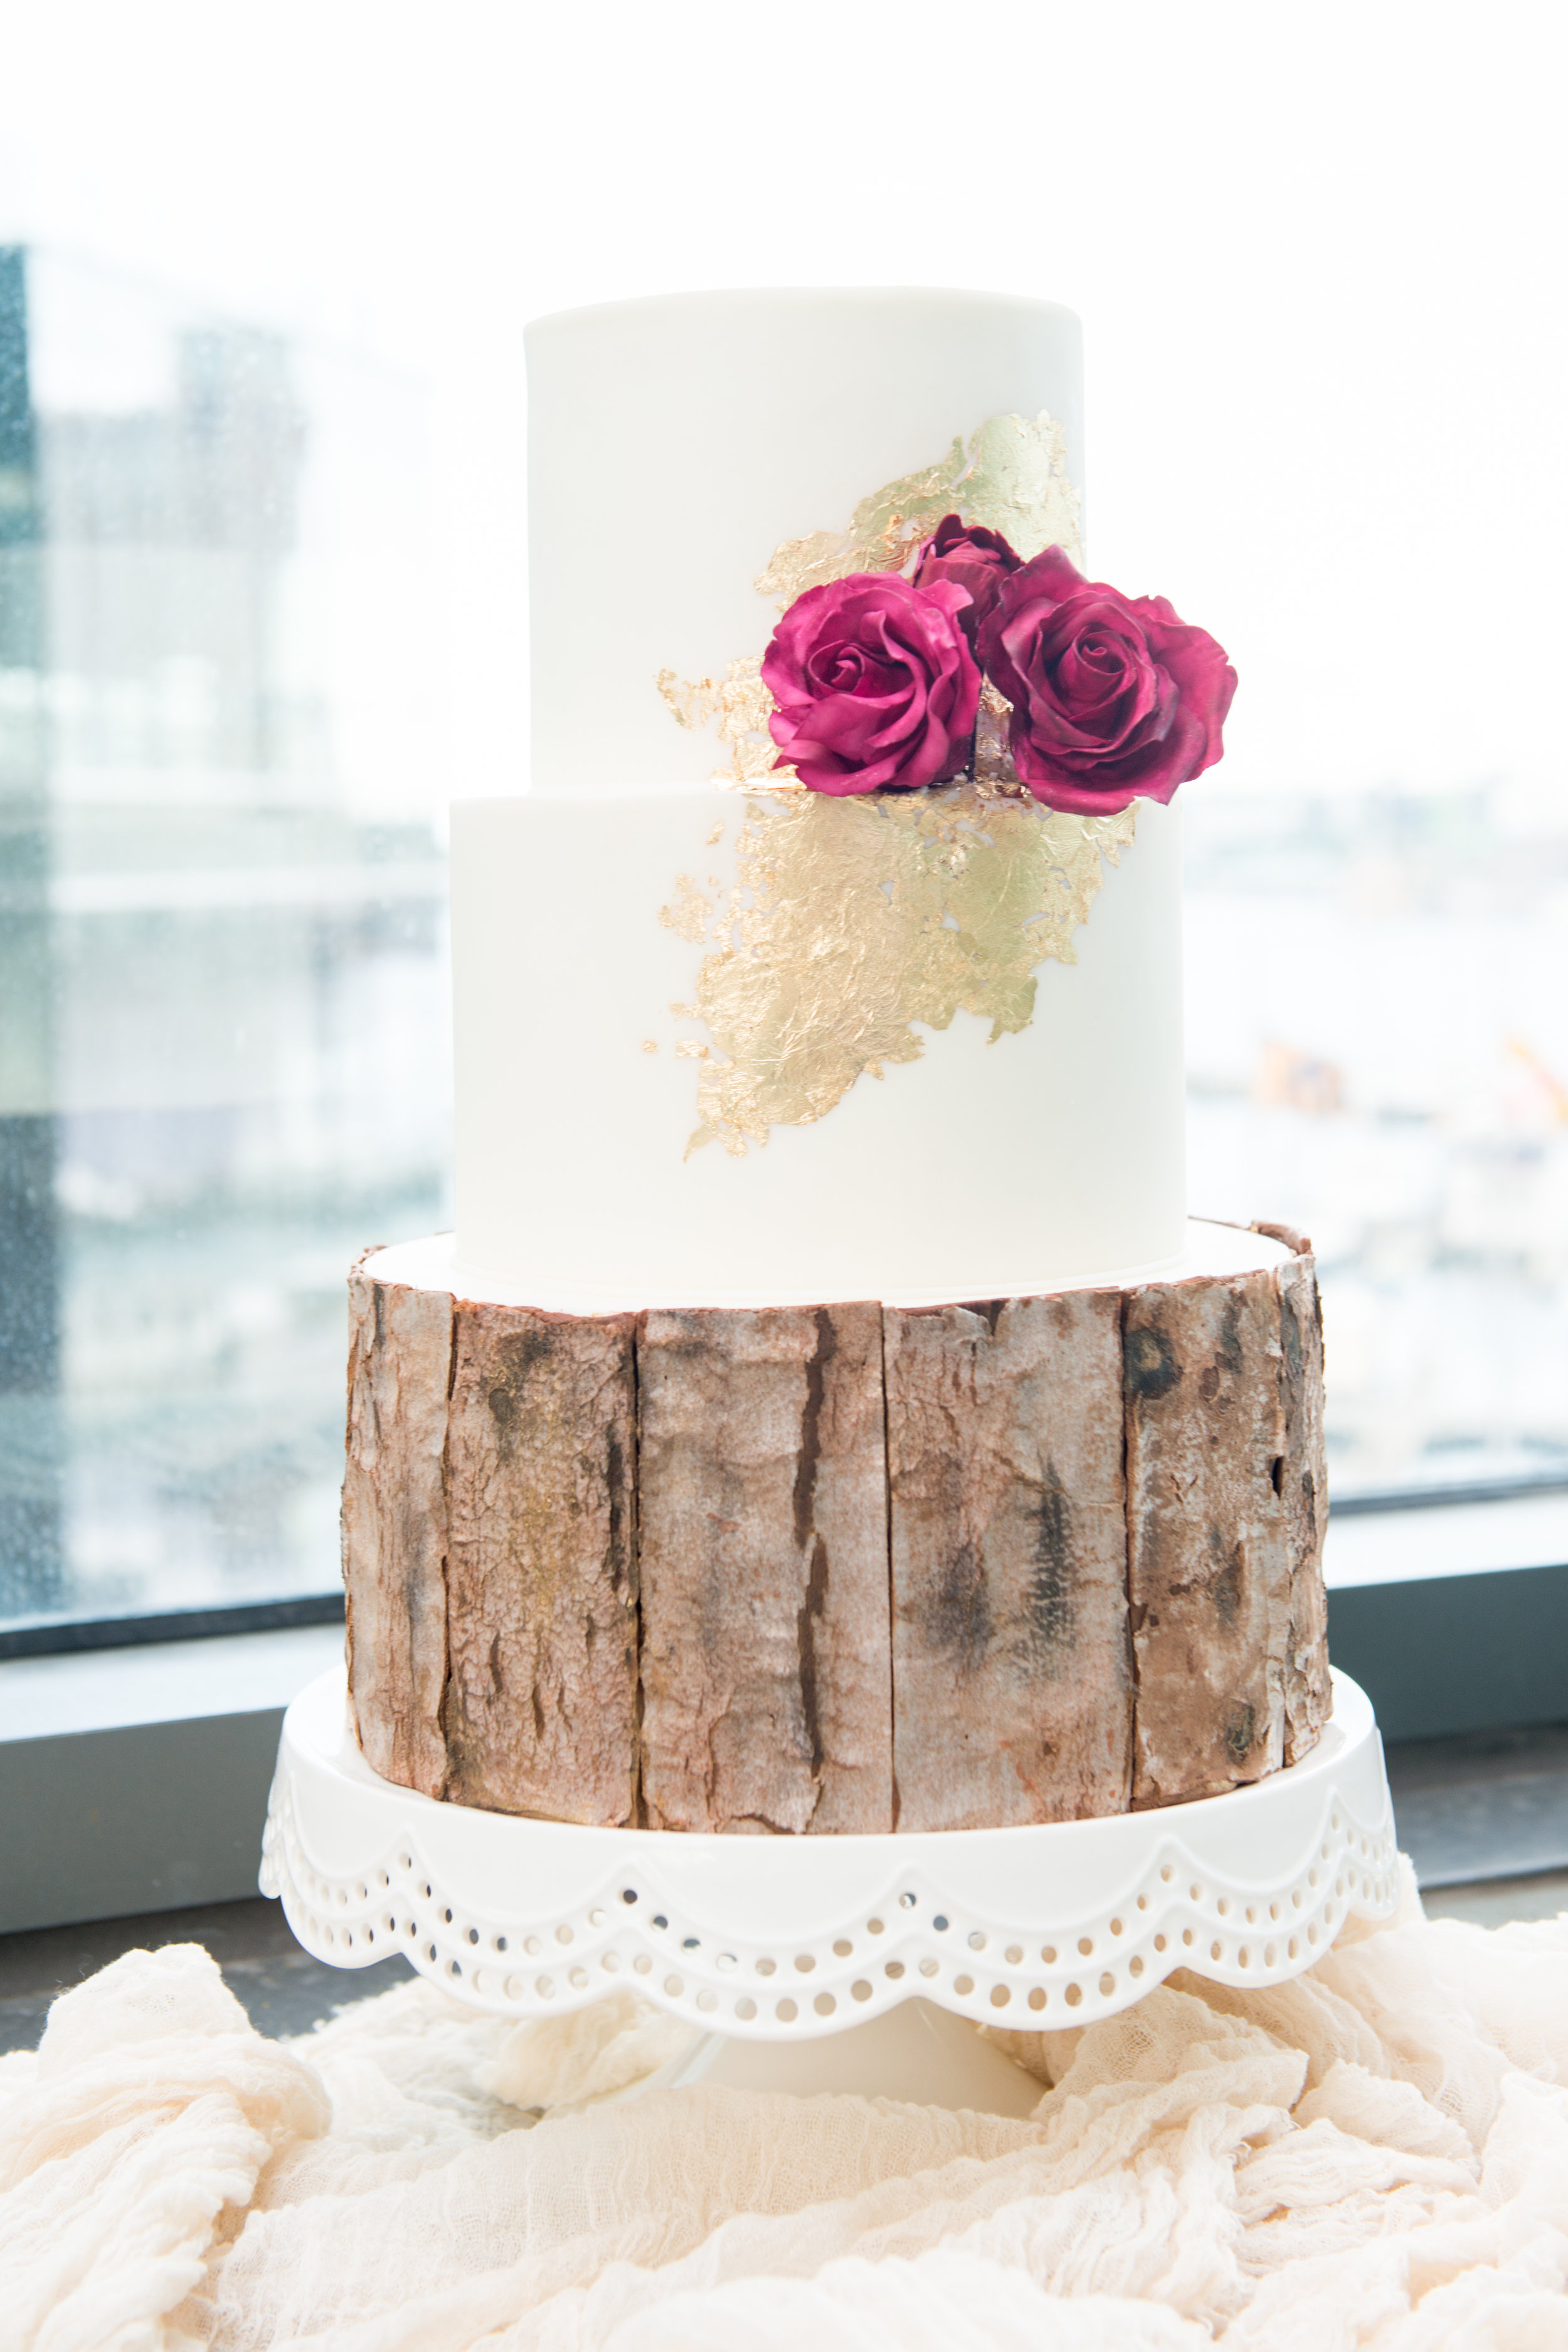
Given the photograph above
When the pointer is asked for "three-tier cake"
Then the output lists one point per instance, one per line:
(825, 1417)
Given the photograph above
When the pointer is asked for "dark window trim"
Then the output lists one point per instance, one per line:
(1436, 1499)
(54, 1636)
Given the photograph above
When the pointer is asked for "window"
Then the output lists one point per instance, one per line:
(1377, 1045)
(1323, 401)
(225, 1033)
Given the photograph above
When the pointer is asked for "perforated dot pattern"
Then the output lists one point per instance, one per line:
(913, 1936)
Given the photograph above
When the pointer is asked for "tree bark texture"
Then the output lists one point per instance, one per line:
(763, 1495)
(395, 1527)
(849, 1568)
(1011, 1668)
(1303, 1487)
(539, 1708)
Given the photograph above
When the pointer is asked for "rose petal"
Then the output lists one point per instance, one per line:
(874, 683)
(1111, 696)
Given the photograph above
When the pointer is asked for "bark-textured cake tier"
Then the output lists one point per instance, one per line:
(849, 1568)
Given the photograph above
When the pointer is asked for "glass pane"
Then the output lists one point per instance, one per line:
(223, 1015)
(224, 1054)
(1377, 1039)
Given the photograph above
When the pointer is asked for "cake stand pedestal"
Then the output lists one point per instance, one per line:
(831, 1962)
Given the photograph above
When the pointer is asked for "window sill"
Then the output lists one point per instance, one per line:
(1440, 1538)
(136, 1780)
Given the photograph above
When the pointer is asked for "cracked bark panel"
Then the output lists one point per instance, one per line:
(1011, 1670)
(1304, 1492)
(763, 1525)
(541, 1706)
(395, 1526)
(1209, 1536)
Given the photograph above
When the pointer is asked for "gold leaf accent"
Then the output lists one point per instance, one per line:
(853, 919)
(801, 564)
(689, 915)
(1018, 484)
(692, 703)
(1012, 478)
(741, 704)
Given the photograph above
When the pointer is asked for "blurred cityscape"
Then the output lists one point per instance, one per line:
(1377, 1045)
(222, 1043)
(223, 1059)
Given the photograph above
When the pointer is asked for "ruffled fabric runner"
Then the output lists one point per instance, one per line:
(1375, 2155)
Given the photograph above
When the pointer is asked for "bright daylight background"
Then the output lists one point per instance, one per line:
(261, 550)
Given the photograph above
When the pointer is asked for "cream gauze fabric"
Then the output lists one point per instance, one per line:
(1374, 2155)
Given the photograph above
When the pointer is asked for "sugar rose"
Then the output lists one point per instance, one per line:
(875, 684)
(975, 558)
(1113, 696)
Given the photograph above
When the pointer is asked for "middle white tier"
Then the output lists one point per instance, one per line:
(988, 1167)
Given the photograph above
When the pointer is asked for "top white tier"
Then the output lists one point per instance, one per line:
(674, 443)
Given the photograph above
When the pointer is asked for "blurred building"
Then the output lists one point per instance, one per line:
(1377, 1031)
(223, 1063)
(30, 1268)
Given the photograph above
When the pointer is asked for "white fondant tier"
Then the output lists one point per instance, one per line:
(1049, 1157)
(674, 443)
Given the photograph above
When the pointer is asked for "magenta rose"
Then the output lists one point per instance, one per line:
(875, 684)
(1112, 695)
(975, 558)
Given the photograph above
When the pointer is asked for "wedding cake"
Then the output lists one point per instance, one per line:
(825, 1417)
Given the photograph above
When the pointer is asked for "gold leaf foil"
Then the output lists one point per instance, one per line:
(802, 563)
(689, 913)
(853, 919)
(690, 702)
(1018, 484)
(1010, 477)
(742, 704)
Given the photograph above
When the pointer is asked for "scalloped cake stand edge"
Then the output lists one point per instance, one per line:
(878, 1944)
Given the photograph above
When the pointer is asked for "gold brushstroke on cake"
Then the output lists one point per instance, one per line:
(740, 704)
(852, 920)
(1011, 476)
(688, 915)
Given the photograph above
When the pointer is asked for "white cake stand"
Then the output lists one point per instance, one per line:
(782, 1941)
